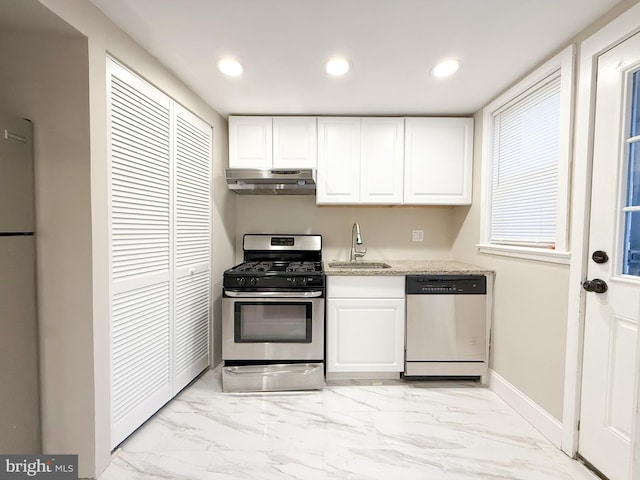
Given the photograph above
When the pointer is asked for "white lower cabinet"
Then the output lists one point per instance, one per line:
(365, 324)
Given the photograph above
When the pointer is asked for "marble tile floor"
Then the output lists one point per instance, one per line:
(387, 430)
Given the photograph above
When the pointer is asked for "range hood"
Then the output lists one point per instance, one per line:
(254, 181)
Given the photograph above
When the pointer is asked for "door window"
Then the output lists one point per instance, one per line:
(631, 260)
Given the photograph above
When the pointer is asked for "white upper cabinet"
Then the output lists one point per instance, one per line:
(294, 142)
(363, 160)
(438, 161)
(250, 142)
(338, 160)
(272, 142)
(360, 160)
(381, 160)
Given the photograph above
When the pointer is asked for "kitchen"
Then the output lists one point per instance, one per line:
(79, 105)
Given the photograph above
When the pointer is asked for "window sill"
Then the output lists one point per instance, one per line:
(526, 253)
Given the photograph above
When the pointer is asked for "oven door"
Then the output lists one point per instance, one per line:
(272, 326)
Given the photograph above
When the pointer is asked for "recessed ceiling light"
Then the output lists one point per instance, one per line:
(230, 67)
(338, 66)
(445, 68)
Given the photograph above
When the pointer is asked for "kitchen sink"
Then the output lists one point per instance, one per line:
(359, 265)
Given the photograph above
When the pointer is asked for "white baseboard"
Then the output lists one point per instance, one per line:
(542, 421)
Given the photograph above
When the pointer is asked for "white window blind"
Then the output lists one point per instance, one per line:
(524, 168)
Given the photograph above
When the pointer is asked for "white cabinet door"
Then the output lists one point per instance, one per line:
(250, 142)
(338, 179)
(365, 324)
(295, 142)
(382, 161)
(438, 161)
(365, 335)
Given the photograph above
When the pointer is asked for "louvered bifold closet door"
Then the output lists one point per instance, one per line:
(140, 147)
(192, 246)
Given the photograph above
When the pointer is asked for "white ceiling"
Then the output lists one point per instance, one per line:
(392, 44)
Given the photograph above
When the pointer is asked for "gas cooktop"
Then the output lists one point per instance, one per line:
(277, 267)
(278, 261)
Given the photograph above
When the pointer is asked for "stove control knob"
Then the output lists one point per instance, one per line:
(303, 281)
(240, 281)
(252, 281)
(294, 281)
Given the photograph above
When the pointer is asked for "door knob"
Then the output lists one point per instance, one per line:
(596, 285)
(600, 256)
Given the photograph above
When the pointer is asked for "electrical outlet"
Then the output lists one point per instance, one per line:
(417, 235)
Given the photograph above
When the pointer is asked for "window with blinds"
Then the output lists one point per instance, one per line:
(524, 173)
(526, 157)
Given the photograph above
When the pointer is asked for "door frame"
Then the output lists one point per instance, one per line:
(614, 33)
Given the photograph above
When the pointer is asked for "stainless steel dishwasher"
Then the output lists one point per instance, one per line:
(446, 331)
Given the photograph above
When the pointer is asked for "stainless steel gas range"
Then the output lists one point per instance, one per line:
(273, 315)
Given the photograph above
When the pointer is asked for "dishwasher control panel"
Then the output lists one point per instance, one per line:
(446, 285)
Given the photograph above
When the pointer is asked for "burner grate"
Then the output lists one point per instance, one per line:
(301, 267)
(255, 267)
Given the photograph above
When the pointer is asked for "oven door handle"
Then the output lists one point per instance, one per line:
(235, 294)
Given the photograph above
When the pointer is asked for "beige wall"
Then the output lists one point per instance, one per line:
(104, 38)
(530, 307)
(224, 232)
(530, 298)
(45, 79)
(386, 231)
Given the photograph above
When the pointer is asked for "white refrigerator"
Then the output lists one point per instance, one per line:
(19, 380)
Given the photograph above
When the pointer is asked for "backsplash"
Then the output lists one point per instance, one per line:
(386, 231)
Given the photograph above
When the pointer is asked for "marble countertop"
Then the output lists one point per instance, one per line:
(408, 267)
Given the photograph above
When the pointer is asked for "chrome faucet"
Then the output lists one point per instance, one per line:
(356, 239)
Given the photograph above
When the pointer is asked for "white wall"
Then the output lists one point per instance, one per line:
(104, 37)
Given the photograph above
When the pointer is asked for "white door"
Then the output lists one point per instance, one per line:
(160, 223)
(192, 197)
(140, 222)
(611, 317)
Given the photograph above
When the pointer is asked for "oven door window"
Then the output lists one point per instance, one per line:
(273, 322)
